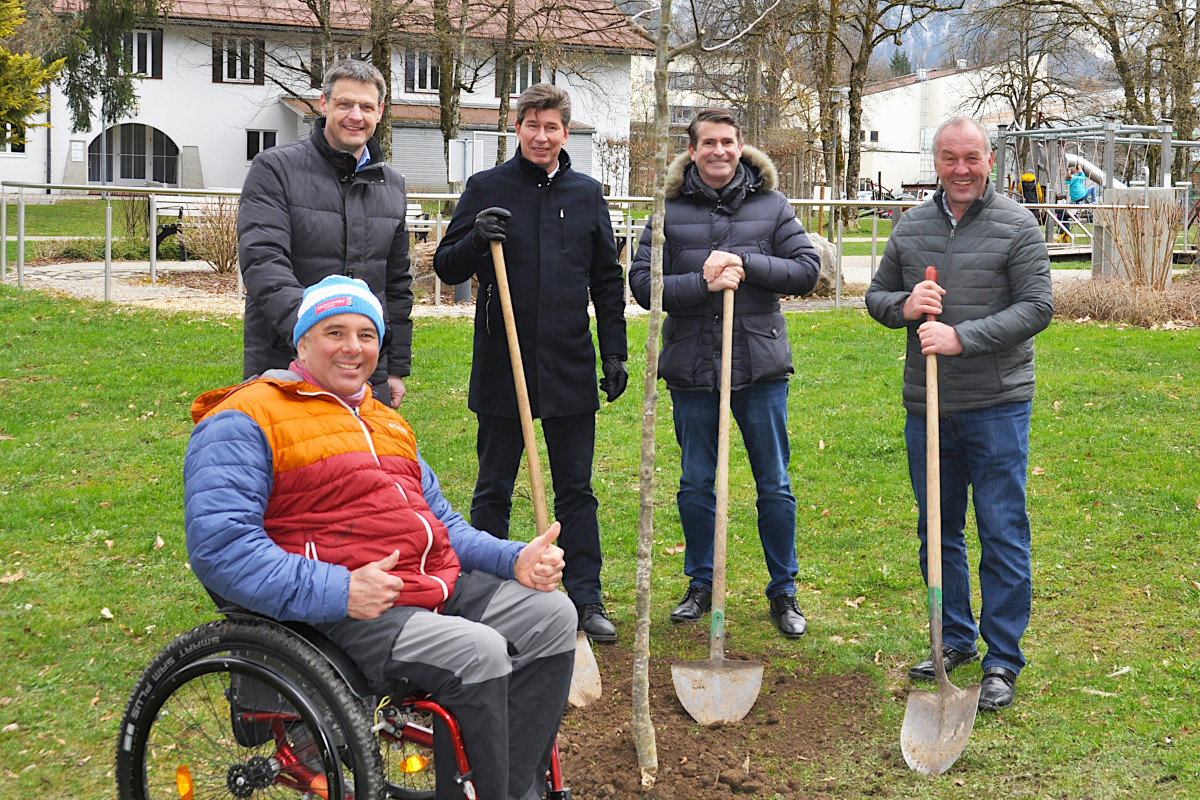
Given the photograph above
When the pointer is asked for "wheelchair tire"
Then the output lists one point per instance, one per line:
(241, 709)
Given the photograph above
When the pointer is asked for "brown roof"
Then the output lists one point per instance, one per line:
(584, 23)
(908, 80)
(469, 116)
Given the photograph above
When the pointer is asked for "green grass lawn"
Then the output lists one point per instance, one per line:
(95, 419)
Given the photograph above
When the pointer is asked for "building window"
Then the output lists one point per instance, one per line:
(421, 72)
(337, 52)
(136, 152)
(8, 146)
(874, 136)
(164, 162)
(257, 141)
(142, 51)
(526, 73)
(238, 59)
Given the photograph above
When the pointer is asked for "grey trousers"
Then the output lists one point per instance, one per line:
(499, 658)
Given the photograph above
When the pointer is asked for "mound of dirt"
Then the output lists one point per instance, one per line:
(798, 717)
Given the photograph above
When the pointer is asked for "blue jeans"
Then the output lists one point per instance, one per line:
(761, 414)
(988, 451)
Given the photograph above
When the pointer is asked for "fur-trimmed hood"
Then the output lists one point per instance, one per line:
(763, 174)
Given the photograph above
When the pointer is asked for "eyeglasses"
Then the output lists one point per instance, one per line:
(346, 106)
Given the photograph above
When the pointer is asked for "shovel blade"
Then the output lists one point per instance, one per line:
(717, 691)
(936, 727)
(585, 680)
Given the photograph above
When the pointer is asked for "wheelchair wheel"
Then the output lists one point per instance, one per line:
(406, 747)
(244, 709)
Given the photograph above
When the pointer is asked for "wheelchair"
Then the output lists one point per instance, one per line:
(247, 707)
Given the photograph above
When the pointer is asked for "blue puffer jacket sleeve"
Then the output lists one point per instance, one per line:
(475, 548)
(227, 478)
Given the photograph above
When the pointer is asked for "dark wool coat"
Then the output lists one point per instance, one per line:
(756, 223)
(306, 214)
(559, 249)
(996, 273)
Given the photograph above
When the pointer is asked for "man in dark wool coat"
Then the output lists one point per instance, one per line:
(559, 252)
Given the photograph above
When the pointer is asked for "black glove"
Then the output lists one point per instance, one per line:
(489, 227)
(615, 379)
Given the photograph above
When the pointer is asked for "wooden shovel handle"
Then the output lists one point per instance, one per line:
(933, 503)
(720, 529)
(533, 462)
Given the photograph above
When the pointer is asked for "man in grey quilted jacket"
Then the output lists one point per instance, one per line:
(327, 205)
(992, 295)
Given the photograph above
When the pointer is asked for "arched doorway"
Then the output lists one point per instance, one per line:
(134, 155)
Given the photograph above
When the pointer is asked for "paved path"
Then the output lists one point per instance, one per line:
(129, 283)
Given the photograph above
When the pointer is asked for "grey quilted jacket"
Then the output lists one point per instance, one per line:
(996, 272)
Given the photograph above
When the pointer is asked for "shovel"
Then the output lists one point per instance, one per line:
(717, 691)
(585, 680)
(936, 726)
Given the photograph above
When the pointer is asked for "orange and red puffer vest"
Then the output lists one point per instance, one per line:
(347, 486)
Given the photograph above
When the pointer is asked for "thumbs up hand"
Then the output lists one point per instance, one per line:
(540, 563)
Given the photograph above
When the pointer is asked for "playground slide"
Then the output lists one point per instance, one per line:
(1092, 171)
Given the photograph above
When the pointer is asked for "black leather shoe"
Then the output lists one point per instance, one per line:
(594, 621)
(998, 689)
(952, 658)
(787, 615)
(694, 605)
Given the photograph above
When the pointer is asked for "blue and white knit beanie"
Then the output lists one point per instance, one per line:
(337, 294)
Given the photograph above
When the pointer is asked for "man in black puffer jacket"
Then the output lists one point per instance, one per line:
(559, 251)
(327, 206)
(991, 296)
(727, 228)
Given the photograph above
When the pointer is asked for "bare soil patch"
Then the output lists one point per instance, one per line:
(800, 717)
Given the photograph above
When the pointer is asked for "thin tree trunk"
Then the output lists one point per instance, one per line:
(643, 725)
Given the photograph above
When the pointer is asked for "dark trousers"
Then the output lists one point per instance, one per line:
(570, 443)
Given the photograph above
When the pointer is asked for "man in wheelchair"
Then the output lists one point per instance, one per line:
(306, 499)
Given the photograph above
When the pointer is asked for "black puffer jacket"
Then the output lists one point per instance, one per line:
(306, 214)
(755, 222)
(996, 273)
(559, 250)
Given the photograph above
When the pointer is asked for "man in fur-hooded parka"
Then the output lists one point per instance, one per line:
(728, 229)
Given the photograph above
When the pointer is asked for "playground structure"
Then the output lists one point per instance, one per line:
(1046, 155)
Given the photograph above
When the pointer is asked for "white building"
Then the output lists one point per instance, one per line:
(209, 97)
(901, 115)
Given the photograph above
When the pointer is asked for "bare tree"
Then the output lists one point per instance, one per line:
(654, 23)
(870, 23)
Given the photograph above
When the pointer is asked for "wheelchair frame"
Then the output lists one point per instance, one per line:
(309, 722)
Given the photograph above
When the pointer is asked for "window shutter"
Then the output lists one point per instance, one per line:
(156, 45)
(260, 61)
(218, 54)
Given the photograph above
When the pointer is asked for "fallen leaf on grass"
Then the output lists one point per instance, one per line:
(1121, 671)
(1196, 584)
(1097, 692)
(108, 543)
(159, 543)
(854, 603)
(11, 727)
(104, 612)
(1038, 471)
(675, 549)
(14, 577)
